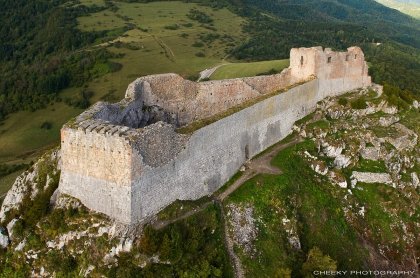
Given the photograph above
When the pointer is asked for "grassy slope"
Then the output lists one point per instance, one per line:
(315, 203)
(407, 8)
(156, 51)
(248, 69)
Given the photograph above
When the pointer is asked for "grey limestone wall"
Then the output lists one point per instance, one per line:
(213, 154)
(97, 167)
(126, 160)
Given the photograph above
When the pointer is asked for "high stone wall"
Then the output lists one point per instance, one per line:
(130, 174)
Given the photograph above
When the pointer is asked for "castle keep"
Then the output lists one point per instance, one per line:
(128, 161)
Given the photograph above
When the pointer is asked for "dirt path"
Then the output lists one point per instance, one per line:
(236, 262)
(160, 224)
(258, 165)
(208, 72)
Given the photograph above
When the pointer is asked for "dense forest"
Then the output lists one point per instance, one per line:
(38, 53)
(40, 43)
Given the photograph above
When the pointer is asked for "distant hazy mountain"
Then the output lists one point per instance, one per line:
(410, 7)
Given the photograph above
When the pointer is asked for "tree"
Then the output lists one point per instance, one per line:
(283, 273)
(165, 247)
(317, 261)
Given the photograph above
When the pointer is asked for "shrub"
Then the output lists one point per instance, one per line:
(198, 44)
(193, 77)
(189, 24)
(343, 101)
(359, 103)
(172, 27)
(46, 125)
(200, 54)
(199, 16)
(317, 261)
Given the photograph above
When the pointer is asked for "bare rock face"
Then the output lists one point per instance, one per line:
(10, 227)
(342, 161)
(338, 179)
(26, 183)
(367, 177)
(319, 167)
(331, 150)
(4, 240)
(415, 179)
(243, 226)
(371, 153)
(387, 121)
(390, 110)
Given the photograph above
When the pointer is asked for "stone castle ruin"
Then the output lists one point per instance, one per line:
(128, 160)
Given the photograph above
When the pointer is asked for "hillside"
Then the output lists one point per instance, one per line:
(125, 42)
(59, 57)
(410, 7)
(339, 193)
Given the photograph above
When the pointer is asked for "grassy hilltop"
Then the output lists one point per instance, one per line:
(309, 214)
(74, 53)
(149, 38)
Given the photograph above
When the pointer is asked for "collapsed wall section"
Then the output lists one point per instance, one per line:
(190, 101)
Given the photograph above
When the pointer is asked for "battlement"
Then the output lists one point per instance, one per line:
(127, 160)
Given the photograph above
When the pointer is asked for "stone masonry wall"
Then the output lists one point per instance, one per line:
(192, 101)
(130, 173)
(213, 154)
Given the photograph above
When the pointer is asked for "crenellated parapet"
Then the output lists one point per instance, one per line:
(127, 159)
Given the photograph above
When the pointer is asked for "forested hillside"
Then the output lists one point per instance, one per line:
(40, 40)
(58, 57)
(39, 53)
(391, 40)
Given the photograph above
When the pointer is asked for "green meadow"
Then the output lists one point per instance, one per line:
(152, 38)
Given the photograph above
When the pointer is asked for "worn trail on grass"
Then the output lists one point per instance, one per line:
(258, 165)
(208, 72)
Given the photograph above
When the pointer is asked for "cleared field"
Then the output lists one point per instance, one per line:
(163, 38)
(155, 37)
(236, 70)
(22, 135)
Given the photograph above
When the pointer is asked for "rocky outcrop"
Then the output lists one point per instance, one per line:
(387, 121)
(371, 153)
(28, 183)
(367, 177)
(415, 179)
(4, 239)
(243, 226)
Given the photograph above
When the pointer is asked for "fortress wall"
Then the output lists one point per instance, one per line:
(327, 64)
(97, 168)
(215, 153)
(130, 174)
(192, 101)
